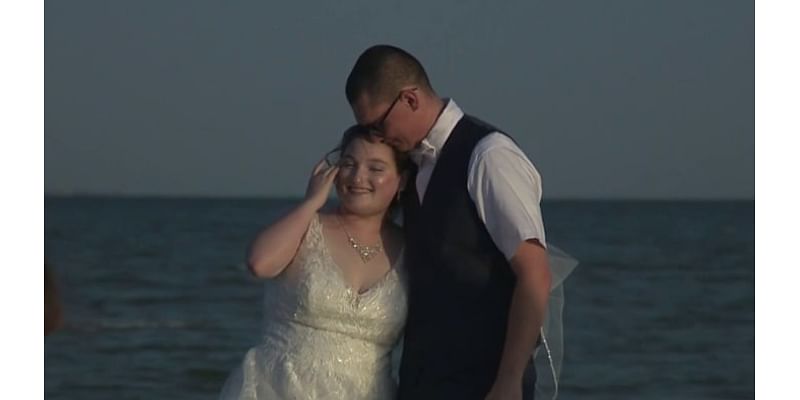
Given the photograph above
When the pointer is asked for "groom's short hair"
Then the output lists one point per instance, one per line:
(381, 71)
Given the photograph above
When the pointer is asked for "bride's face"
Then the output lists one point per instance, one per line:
(368, 178)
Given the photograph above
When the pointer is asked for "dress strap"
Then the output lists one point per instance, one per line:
(313, 236)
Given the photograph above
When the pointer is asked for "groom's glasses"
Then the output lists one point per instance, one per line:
(377, 126)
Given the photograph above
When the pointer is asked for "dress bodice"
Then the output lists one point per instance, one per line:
(320, 337)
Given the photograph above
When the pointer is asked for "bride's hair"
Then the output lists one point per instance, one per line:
(401, 160)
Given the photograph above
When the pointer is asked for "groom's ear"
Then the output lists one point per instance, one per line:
(411, 98)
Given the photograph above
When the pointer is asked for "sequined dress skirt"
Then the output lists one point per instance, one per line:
(317, 365)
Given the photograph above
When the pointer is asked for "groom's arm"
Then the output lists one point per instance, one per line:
(526, 314)
(506, 189)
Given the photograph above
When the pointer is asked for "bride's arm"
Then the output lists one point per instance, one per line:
(275, 247)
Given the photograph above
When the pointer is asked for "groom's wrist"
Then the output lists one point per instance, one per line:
(510, 375)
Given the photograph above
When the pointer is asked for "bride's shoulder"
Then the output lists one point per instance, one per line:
(314, 231)
(395, 232)
(327, 220)
(394, 241)
(324, 218)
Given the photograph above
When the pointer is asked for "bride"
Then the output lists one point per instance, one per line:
(335, 294)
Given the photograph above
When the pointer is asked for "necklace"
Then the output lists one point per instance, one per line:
(365, 252)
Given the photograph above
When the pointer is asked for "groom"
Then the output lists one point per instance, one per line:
(475, 245)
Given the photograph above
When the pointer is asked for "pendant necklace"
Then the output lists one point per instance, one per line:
(365, 252)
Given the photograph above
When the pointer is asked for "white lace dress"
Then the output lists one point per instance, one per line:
(322, 339)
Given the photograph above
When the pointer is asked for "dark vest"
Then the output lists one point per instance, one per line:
(460, 284)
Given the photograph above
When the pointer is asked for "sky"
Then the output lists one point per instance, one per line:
(621, 99)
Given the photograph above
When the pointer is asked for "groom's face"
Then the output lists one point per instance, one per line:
(386, 120)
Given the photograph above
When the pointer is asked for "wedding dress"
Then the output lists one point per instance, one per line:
(321, 339)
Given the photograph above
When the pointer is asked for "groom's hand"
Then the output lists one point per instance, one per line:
(506, 389)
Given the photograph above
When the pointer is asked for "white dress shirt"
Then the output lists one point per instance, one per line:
(502, 182)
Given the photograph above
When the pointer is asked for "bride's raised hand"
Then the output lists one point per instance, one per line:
(320, 184)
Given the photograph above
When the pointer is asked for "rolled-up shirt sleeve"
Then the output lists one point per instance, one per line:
(506, 189)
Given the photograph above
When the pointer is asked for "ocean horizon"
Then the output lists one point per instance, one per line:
(158, 303)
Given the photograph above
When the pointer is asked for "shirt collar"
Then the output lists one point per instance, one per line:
(431, 146)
